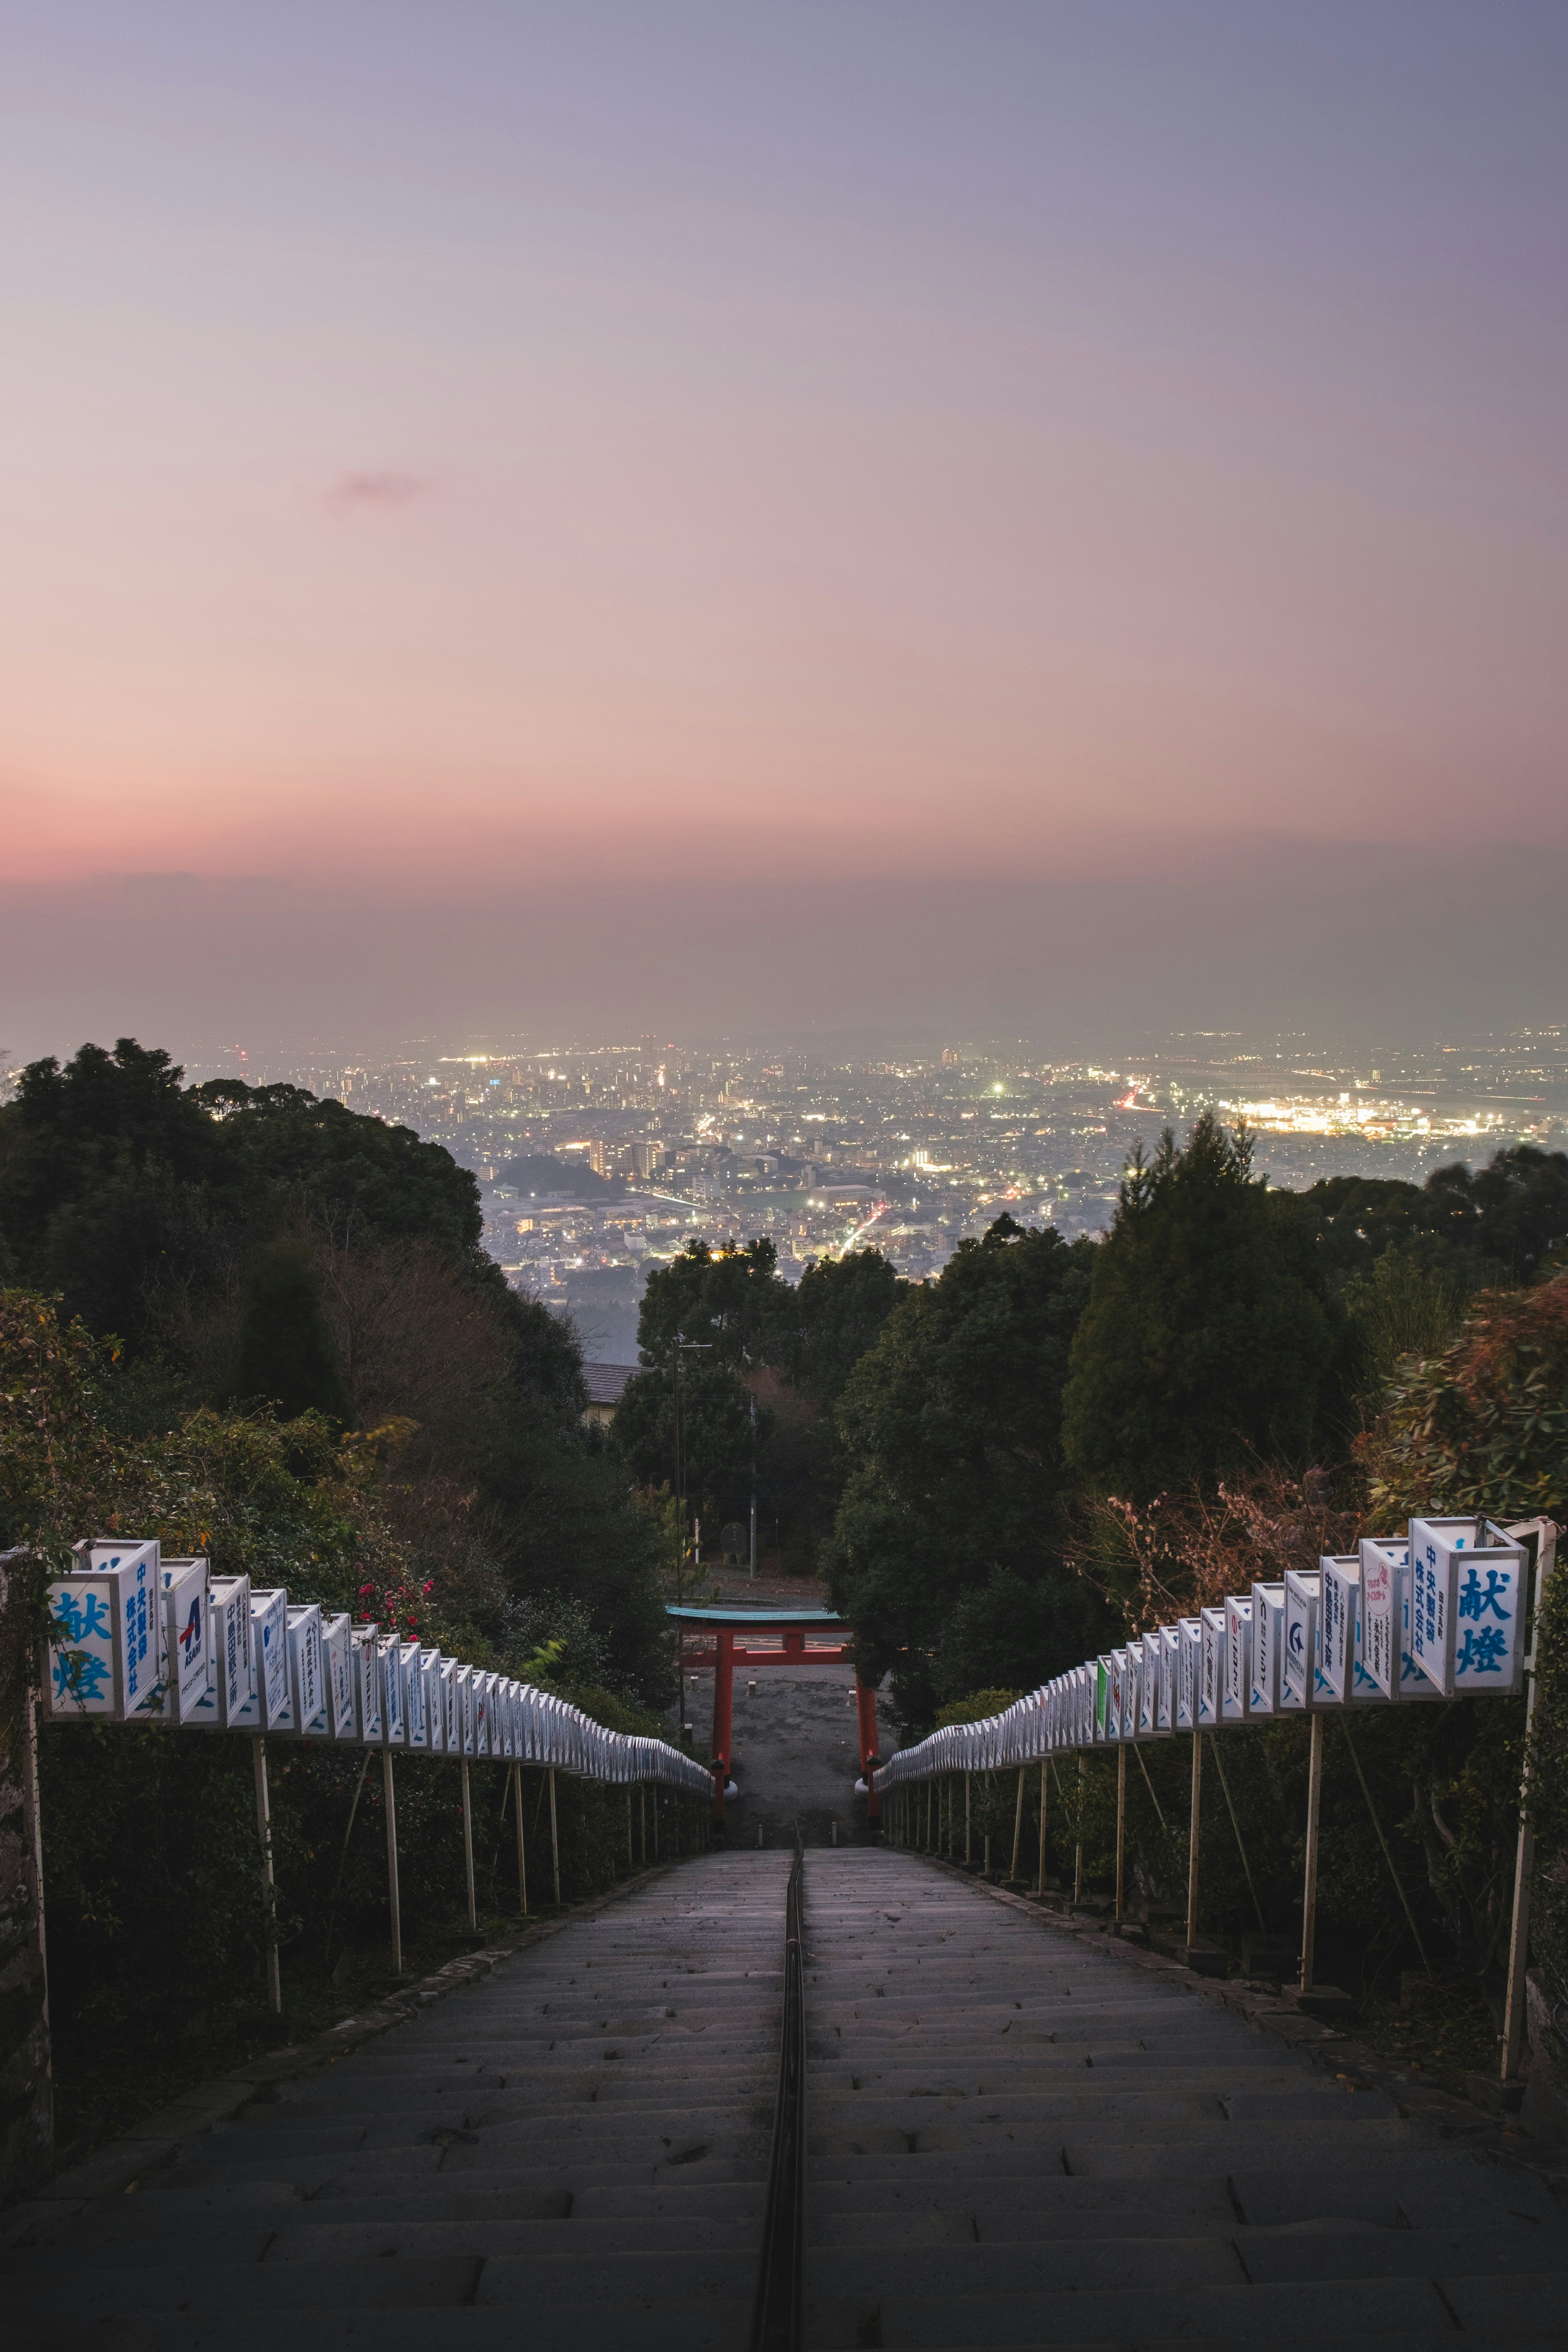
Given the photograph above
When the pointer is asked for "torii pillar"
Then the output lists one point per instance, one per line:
(790, 1626)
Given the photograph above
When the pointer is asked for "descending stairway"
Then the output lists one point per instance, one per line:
(1019, 2138)
(1016, 2138)
(573, 2152)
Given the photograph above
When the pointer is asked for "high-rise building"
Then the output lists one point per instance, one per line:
(645, 1156)
(596, 1158)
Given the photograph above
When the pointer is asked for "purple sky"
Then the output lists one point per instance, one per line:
(488, 488)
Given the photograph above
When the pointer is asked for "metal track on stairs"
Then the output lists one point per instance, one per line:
(779, 2313)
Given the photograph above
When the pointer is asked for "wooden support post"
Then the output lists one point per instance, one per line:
(1236, 1826)
(643, 1817)
(268, 1884)
(1040, 1888)
(657, 1792)
(1078, 1847)
(1121, 1825)
(1193, 1825)
(522, 1851)
(389, 1798)
(968, 1814)
(865, 1718)
(1513, 2013)
(723, 1696)
(1310, 1891)
(631, 1857)
(554, 1841)
(1018, 1828)
(469, 1850)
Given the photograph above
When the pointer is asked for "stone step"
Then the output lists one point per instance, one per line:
(1365, 2310)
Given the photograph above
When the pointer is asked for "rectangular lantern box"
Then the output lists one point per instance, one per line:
(338, 1667)
(485, 1716)
(1267, 1633)
(501, 1717)
(1132, 1690)
(1382, 1562)
(1467, 1594)
(1413, 1683)
(435, 1700)
(413, 1696)
(102, 1631)
(269, 1706)
(1189, 1653)
(510, 1718)
(369, 1705)
(1101, 1700)
(231, 1683)
(307, 1674)
(388, 1654)
(479, 1708)
(188, 1663)
(1116, 1703)
(451, 1715)
(463, 1709)
(1299, 1648)
(1236, 1695)
(1169, 1639)
(1148, 1686)
(1210, 1668)
(104, 1552)
(1339, 1595)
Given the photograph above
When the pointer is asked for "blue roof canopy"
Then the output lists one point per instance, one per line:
(760, 1616)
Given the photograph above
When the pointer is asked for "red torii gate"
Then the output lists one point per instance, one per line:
(789, 1625)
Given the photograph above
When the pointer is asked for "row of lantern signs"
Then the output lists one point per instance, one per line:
(137, 1638)
(1436, 1614)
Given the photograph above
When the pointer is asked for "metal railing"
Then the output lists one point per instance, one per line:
(777, 2315)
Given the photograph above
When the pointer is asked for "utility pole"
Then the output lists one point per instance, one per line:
(754, 1488)
(682, 1347)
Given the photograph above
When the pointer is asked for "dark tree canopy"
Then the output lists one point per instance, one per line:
(284, 1355)
(952, 1428)
(826, 1324)
(1496, 1224)
(1211, 1334)
(728, 1297)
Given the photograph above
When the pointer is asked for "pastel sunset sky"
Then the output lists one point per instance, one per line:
(557, 467)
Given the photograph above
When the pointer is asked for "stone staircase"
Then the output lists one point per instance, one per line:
(1018, 2138)
(574, 2152)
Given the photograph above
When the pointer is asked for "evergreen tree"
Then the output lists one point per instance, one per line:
(1212, 1336)
(945, 1550)
(284, 1355)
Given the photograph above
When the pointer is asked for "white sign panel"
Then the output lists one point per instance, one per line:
(394, 1730)
(338, 1667)
(1338, 1593)
(1299, 1651)
(1467, 1607)
(97, 1642)
(230, 1686)
(1267, 1638)
(1235, 1697)
(367, 1700)
(190, 1664)
(1211, 1668)
(1381, 1562)
(434, 1700)
(307, 1674)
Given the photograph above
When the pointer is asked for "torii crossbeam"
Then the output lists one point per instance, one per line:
(790, 1626)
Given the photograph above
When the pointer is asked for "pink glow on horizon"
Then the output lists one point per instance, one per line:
(1000, 444)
